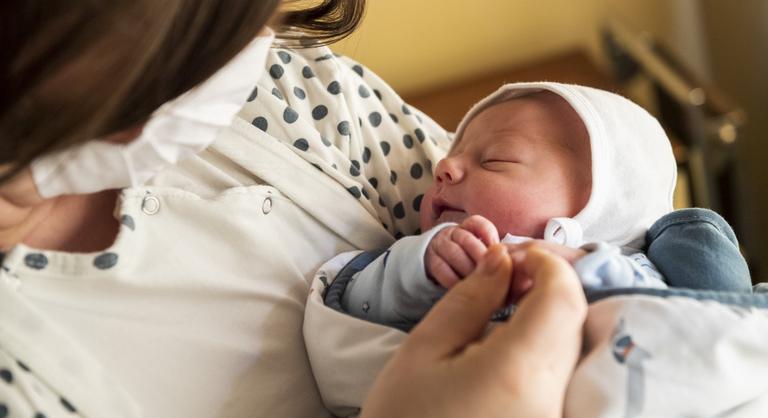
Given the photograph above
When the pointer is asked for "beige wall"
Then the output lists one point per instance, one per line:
(419, 44)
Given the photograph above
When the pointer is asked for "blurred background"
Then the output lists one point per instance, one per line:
(698, 65)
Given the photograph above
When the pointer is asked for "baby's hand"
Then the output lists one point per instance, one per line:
(455, 251)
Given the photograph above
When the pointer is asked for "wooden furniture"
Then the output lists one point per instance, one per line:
(449, 103)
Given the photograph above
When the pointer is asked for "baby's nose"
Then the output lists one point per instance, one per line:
(448, 171)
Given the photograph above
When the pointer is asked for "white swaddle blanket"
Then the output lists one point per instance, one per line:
(643, 356)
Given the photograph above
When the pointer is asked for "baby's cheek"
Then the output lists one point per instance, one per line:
(426, 216)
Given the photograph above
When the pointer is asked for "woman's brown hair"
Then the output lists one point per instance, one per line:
(74, 70)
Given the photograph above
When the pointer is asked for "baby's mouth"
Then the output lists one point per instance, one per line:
(452, 215)
(444, 212)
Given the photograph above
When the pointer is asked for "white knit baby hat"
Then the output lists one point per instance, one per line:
(633, 168)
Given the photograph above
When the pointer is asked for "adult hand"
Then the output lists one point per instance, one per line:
(447, 368)
(521, 282)
(454, 252)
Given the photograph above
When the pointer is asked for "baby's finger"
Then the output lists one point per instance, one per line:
(482, 228)
(440, 270)
(470, 243)
(455, 256)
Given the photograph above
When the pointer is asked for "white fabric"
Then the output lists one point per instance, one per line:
(201, 315)
(605, 266)
(699, 358)
(633, 168)
(178, 129)
(564, 231)
(346, 353)
(671, 357)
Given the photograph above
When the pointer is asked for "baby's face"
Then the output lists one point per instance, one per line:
(519, 163)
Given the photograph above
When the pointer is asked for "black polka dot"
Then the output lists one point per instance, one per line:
(298, 92)
(354, 169)
(417, 202)
(68, 406)
(393, 117)
(40, 415)
(358, 69)
(393, 177)
(375, 119)
(290, 115)
(334, 87)
(324, 57)
(260, 123)
(418, 118)
(417, 231)
(434, 141)
(360, 122)
(325, 141)
(307, 72)
(254, 93)
(334, 166)
(382, 204)
(127, 220)
(363, 92)
(367, 196)
(416, 171)
(374, 182)
(276, 93)
(377, 93)
(3, 410)
(419, 135)
(428, 164)
(319, 112)
(36, 261)
(354, 191)
(398, 235)
(385, 147)
(276, 71)
(406, 110)
(301, 144)
(6, 375)
(408, 141)
(284, 57)
(343, 127)
(366, 155)
(105, 261)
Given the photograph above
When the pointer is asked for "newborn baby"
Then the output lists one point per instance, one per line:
(561, 164)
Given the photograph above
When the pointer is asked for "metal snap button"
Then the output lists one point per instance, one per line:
(150, 205)
(266, 207)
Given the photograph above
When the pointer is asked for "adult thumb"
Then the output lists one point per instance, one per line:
(463, 313)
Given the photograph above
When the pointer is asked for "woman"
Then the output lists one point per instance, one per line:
(185, 298)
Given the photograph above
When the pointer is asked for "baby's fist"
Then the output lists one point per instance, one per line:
(455, 251)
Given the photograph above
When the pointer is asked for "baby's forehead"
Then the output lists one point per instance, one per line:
(533, 118)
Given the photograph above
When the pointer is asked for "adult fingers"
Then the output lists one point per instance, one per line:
(546, 326)
(482, 228)
(462, 314)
